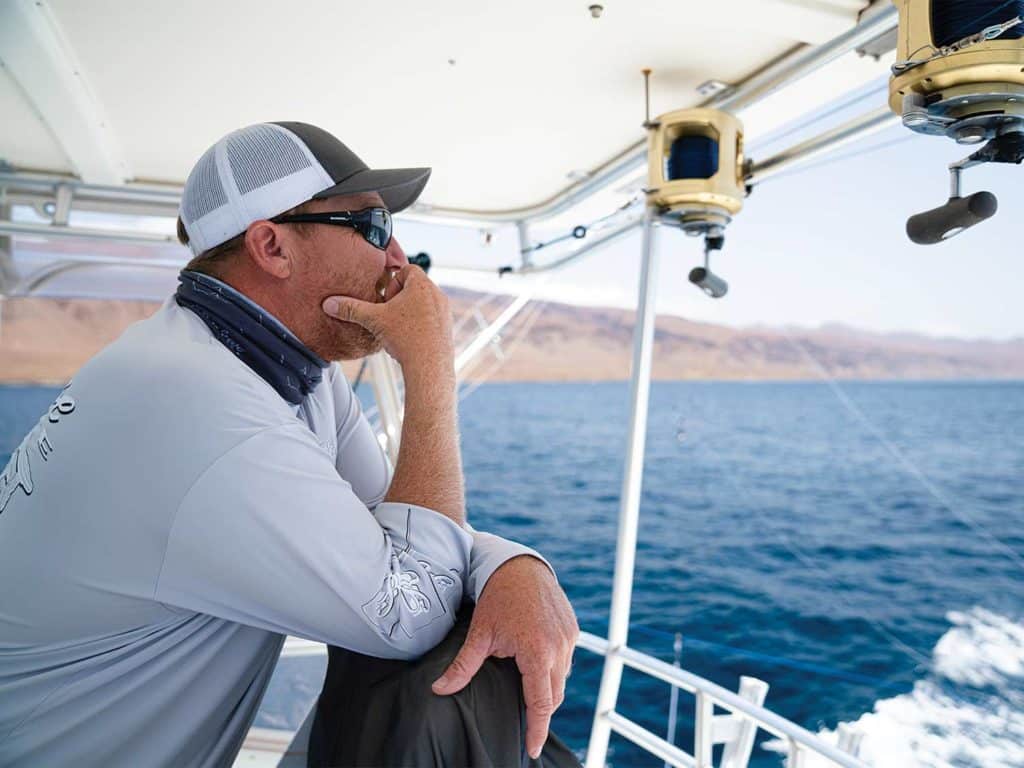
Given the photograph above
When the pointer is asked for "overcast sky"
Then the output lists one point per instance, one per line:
(825, 244)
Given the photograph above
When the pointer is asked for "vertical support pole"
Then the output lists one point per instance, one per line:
(702, 736)
(850, 739)
(736, 753)
(795, 759)
(384, 376)
(525, 246)
(629, 507)
(955, 180)
(8, 276)
(673, 699)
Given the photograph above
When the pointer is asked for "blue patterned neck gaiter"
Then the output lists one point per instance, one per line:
(255, 336)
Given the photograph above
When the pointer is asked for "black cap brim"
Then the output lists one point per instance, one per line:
(398, 187)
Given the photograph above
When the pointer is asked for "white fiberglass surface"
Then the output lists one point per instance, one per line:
(504, 101)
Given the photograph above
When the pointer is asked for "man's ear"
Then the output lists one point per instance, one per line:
(264, 244)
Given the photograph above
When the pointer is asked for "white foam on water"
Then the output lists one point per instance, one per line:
(968, 712)
(982, 649)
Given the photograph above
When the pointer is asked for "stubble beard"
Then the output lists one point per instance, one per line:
(337, 341)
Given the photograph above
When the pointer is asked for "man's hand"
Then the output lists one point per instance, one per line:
(414, 323)
(522, 613)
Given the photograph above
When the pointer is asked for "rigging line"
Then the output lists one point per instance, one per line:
(485, 299)
(525, 326)
(901, 458)
(742, 492)
(872, 90)
(873, 506)
(477, 359)
(839, 158)
(893, 639)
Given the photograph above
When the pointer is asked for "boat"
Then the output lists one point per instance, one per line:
(536, 116)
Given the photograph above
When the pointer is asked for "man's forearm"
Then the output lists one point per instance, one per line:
(429, 468)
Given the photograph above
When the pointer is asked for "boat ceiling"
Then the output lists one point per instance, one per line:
(506, 101)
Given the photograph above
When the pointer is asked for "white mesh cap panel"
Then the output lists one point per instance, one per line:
(261, 155)
(207, 193)
(252, 173)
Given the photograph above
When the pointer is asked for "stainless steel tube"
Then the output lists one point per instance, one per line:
(790, 68)
(808, 59)
(846, 133)
(629, 506)
(121, 236)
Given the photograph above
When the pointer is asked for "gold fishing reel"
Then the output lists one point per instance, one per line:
(959, 73)
(696, 179)
(970, 89)
(695, 168)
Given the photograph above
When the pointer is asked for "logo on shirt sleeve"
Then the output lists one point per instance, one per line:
(408, 595)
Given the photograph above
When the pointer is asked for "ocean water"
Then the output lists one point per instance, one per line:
(860, 547)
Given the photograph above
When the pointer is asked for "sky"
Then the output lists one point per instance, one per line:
(817, 245)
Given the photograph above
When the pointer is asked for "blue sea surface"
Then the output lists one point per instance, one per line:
(858, 546)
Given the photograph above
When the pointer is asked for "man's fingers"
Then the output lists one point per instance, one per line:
(393, 286)
(540, 705)
(408, 272)
(352, 310)
(557, 689)
(471, 656)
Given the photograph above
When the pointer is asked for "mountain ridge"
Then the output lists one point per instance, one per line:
(47, 340)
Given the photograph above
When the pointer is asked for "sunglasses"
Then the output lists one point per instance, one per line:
(374, 224)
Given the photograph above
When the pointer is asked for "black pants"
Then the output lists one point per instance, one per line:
(381, 713)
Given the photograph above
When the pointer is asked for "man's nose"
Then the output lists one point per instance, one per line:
(395, 257)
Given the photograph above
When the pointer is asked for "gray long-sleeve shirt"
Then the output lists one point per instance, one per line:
(164, 526)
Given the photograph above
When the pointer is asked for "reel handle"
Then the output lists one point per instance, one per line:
(713, 285)
(951, 219)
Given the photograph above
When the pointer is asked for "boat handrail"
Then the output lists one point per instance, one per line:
(765, 719)
(799, 740)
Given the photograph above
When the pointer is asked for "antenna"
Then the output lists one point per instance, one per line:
(647, 99)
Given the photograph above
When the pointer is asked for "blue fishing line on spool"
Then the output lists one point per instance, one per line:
(954, 20)
(693, 157)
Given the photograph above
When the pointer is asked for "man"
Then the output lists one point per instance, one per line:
(207, 484)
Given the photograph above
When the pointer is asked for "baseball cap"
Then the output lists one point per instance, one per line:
(265, 169)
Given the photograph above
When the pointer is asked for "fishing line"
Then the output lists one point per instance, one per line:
(901, 459)
(526, 324)
(953, 20)
(802, 557)
(742, 492)
(854, 488)
(469, 313)
(873, 89)
(841, 157)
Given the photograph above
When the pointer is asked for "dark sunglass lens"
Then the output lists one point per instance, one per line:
(381, 226)
(374, 225)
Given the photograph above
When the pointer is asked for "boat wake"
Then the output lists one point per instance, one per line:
(967, 713)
